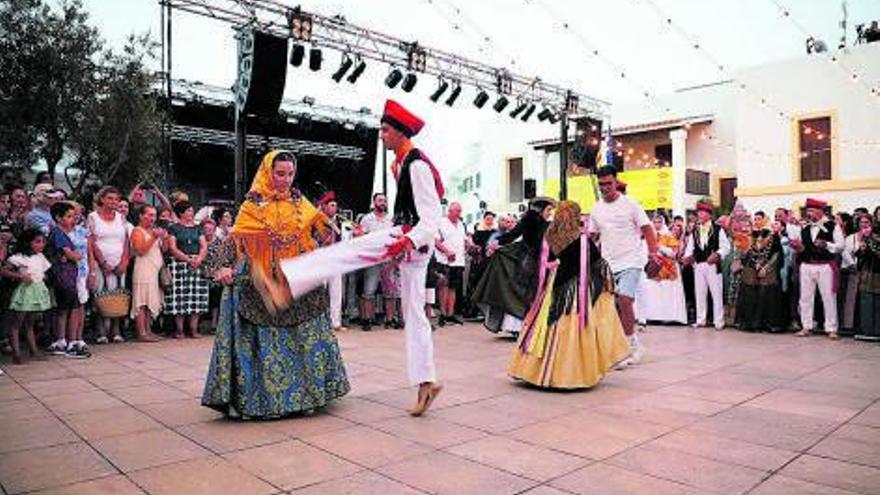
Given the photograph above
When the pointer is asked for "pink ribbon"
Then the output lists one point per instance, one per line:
(582, 282)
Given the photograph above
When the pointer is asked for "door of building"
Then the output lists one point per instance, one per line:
(728, 196)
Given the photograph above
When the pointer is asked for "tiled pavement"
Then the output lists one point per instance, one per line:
(707, 412)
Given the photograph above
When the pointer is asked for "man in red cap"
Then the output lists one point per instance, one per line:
(819, 243)
(417, 214)
(329, 207)
(708, 245)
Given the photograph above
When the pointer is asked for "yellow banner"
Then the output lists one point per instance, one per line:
(652, 188)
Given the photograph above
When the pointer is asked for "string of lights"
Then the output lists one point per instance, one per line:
(851, 74)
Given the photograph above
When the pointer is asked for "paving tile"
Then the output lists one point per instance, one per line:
(13, 391)
(584, 442)
(429, 431)
(366, 446)
(697, 472)
(544, 490)
(93, 425)
(726, 449)
(223, 435)
(26, 434)
(204, 476)
(180, 412)
(121, 380)
(25, 408)
(830, 472)
(309, 426)
(604, 479)
(360, 410)
(40, 389)
(51, 466)
(825, 406)
(292, 464)
(527, 460)
(852, 443)
(782, 485)
(869, 417)
(362, 483)
(442, 473)
(147, 449)
(81, 402)
(149, 394)
(765, 427)
(110, 485)
(477, 415)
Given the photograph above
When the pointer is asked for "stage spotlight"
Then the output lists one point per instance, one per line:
(500, 103)
(358, 70)
(409, 82)
(481, 99)
(518, 109)
(529, 112)
(554, 117)
(545, 114)
(454, 95)
(297, 54)
(343, 68)
(441, 88)
(393, 78)
(315, 59)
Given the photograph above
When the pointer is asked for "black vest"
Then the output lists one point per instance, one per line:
(702, 253)
(812, 254)
(405, 212)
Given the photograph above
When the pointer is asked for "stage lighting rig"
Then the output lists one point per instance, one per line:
(315, 59)
(520, 106)
(300, 25)
(529, 112)
(394, 77)
(358, 70)
(417, 58)
(346, 64)
(297, 54)
(454, 94)
(500, 103)
(441, 88)
(409, 82)
(481, 99)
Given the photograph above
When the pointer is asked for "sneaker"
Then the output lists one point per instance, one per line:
(117, 339)
(833, 336)
(58, 348)
(623, 364)
(77, 352)
(638, 354)
(803, 333)
(454, 320)
(102, 340)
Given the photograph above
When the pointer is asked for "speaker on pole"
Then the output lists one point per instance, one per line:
(530, 188)
(262, 70)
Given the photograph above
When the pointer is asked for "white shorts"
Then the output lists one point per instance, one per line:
(82, 290)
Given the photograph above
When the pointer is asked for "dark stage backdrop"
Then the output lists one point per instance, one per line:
(206, 171)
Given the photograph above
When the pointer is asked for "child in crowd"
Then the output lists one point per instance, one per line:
(65, 259)
(31, 298)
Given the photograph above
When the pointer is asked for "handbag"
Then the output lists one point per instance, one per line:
(166, 280)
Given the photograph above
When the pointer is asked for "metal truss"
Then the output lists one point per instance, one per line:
(338, 34)
(226, 139)
(185, 91)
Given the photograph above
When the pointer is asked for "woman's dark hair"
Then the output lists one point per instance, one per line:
(488, 213)
(849, 225)
(606, 170)
(60, 209)
(27, 237)
(284, 156)
(182, 206)
(143, 209)
(218, 213)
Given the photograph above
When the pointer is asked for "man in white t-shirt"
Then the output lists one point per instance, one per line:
(620, 224)
(450, 254)
(378, 219)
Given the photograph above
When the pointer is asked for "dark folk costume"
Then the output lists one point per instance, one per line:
(569, 339)
(760, 305)
(270, 362)
(869, 287)
(509, 282)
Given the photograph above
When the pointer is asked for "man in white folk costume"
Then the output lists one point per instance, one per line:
(817, 249)
(417, 214)
(707, 248)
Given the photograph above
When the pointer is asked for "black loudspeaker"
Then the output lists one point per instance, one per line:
(530, 188)
(262, 70)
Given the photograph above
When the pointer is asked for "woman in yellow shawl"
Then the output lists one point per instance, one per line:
(272, 357)
(569, 339)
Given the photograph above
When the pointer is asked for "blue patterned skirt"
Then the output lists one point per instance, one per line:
(271, 372)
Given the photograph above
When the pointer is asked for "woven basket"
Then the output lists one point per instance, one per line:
(113, 304)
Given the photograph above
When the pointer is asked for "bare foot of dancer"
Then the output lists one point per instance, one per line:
(428, 391)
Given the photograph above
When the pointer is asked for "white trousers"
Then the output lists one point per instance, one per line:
(821, 276)
(334, 287)
(707, 278)
(310, 270)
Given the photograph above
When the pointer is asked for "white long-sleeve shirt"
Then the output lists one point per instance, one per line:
(427, 205)
(723, 244)
(839, 239)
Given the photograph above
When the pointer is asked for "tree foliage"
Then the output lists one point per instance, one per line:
(63, 95)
